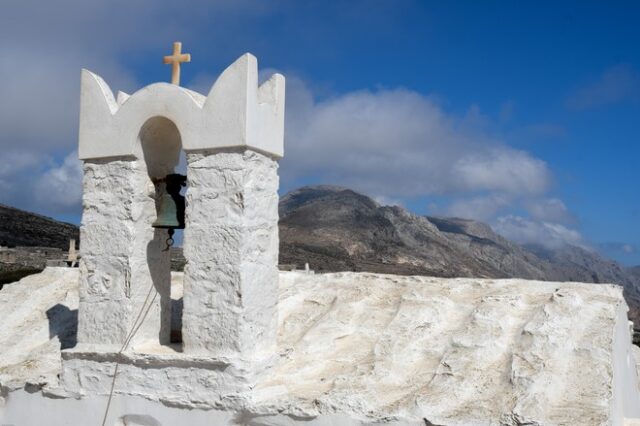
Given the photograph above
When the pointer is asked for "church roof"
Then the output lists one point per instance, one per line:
(376, 347)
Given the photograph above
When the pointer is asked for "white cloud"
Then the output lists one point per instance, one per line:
(399, 143)
(14, 161)
(502, 169)
(549, 210)
(482, 208)
(545, 234)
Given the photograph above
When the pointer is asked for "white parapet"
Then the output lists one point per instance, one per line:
(237, 113)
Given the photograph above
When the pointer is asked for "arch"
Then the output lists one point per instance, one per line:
(159, 144)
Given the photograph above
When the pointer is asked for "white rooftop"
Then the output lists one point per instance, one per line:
(371, 347)
(360, 347)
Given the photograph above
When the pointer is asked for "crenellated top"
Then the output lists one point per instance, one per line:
(236, 113)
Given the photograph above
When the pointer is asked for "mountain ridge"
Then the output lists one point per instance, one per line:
(23, 228)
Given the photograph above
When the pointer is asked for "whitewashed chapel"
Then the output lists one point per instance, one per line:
(256, 346)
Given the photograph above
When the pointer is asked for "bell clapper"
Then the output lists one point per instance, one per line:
(169, 240)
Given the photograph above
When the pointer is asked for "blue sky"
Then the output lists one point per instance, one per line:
(520, 115)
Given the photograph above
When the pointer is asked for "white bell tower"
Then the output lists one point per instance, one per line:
(233, 139)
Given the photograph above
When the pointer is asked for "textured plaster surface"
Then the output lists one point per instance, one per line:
(122, 256)
(357, 349)
(236, 113)
(461, 351)
(37, 313)
(231, 247)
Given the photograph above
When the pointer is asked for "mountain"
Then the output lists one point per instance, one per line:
(28, 241)
(634, 271)
(21, 228)
(336, 229)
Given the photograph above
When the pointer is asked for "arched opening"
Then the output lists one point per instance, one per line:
(161, 147)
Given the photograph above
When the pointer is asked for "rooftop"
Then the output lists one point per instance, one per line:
(375, 347)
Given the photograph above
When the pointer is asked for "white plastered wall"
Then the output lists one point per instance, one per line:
(231, 247)
(121, 255)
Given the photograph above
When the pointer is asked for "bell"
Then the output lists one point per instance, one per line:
(167, 214)
(171, 204)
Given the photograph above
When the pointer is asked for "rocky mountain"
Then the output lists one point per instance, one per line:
(28, 241)
(336, 229)
(21, 228)
(635, 271)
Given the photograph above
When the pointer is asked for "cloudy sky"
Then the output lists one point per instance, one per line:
(522, 116)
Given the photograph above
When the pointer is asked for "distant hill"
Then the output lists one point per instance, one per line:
(21, 228)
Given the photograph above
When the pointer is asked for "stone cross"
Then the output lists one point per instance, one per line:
(175, 60)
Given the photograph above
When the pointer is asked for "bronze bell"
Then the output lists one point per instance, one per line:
(171, 203)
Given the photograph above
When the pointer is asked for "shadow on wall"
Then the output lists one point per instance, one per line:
(160, 273)
(63, 322)
(137, 420)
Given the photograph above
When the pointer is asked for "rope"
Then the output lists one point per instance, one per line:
(134, 329)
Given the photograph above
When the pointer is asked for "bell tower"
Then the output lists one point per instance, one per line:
(130, 146)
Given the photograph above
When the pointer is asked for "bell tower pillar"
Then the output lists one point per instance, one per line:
(231, 247)
(123, 269)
